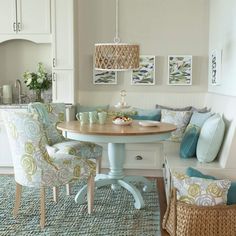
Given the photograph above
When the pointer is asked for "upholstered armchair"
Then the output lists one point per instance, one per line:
(34, 167)
(50, 115)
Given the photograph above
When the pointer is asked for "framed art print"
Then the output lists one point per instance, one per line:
(215, 66)
(104, 77)
(145, 75)
(180, 70)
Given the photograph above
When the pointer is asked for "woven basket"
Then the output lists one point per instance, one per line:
(182, 219)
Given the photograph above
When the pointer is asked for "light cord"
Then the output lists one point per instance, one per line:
(117, 39)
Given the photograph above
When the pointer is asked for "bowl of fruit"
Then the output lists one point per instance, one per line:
(122, 120)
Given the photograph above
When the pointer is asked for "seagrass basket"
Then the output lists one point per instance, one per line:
(182, 219)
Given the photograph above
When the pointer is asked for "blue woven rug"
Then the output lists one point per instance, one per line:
(114, 213)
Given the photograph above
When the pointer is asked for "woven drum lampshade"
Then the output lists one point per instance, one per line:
(116, 56)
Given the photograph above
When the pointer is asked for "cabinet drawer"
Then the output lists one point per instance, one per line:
(139, 156)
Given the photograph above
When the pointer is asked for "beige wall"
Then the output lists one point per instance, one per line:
(222, 37)
(18, 56)
(160, 28)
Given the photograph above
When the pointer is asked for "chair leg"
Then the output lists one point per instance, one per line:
(55, 194)
(68, 189)
(42, 207)
(98, 165)
(17, 199)
(90, 194)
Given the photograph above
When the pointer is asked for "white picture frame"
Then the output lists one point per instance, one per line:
(215, 66)
(104, 77)
(145, 75)
(180, 69)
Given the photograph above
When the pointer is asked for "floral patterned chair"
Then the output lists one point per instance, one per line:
(34, 167)
(50, 115)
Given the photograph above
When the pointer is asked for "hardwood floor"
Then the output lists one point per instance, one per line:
(162, 201)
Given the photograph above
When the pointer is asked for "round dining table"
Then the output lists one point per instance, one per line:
(116, 136)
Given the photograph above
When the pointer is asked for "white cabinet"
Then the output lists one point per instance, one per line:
(63, 51)
(7, 17)
(33, 16)
(63, 34)
(141, 158)
(25, 19)
(62, 85)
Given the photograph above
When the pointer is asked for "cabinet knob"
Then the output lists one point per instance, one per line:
(54, 62)
(139, 158)
(14, 26)
(54, 77)
(166, 181)
(18, 27)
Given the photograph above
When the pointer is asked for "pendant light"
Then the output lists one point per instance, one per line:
(116, 56)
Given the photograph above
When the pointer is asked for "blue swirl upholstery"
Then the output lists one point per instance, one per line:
(33, 166)
(50, 115)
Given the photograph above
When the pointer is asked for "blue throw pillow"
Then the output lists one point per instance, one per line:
(189, 141)
(191, 172)
(231, 197)
(147, 114)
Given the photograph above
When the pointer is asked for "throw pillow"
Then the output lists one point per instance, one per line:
(188, 145)
(189, 141)
(231, 196)
(198, 118)
(199, 191)
(200, 110)
(178, 118)
(147, 114)
(174, 108)
(191, 172)
(210, 139)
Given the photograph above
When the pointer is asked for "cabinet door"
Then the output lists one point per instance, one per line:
(63, 34)
(33, 16)
(63, 86)
(7, 17)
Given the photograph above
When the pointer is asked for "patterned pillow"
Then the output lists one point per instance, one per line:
(200, 110)
(178, 118)
(200, 191)
(174, 108)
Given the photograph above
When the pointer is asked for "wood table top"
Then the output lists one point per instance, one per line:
(115, 130)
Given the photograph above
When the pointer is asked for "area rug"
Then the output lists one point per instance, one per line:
(114, 213)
